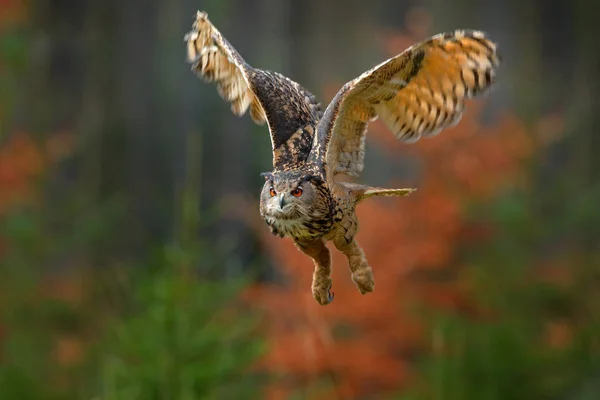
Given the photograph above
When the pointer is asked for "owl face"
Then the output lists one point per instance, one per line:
(287, 197)
(291, 202)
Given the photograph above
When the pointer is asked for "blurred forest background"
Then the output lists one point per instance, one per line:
(134, 264)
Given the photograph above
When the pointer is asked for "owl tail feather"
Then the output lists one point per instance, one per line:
(376, 191)
(361, 192)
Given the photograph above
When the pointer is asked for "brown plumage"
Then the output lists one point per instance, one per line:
(417, 93)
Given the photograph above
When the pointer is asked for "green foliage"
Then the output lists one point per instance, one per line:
(28, 323)
(179, 344)
(153, 330)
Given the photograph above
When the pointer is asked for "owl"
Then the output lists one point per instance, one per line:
(416, 94)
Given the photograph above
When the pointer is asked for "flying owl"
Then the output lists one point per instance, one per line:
(417, 93)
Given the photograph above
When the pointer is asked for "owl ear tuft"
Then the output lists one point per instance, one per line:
(267, 175)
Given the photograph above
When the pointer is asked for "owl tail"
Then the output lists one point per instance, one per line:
(361, 192)
(376, 191)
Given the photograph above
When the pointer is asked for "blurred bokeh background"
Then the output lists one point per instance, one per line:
(134, 264)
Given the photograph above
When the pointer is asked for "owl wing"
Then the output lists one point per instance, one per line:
(418, 93)
(290, 111)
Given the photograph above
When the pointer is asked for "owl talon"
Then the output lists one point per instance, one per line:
(364, 280)
(323, 296)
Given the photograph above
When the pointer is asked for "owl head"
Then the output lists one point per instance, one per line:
(294, 195)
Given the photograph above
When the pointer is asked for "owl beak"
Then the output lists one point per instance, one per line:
(281, 201)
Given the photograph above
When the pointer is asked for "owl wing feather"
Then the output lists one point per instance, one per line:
(290, 111)
(417, 93)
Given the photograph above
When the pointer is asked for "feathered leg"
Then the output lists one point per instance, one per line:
(321, 285)
(362, 274)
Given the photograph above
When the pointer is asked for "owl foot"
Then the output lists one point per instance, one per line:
(322, 293)
(363, 279)
(362, 273)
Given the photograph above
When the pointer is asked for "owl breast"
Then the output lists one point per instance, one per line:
(300, 229)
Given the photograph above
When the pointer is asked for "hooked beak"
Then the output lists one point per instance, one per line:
(281, 201)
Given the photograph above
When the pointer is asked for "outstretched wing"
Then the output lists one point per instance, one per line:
(290, 111)
(417, 93)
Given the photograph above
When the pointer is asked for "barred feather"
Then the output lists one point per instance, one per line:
(418, 93)
(214, 60)
(290, 110)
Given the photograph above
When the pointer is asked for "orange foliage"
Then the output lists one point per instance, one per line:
(68, 351)
(22, 160)
(11, 11)
(363, 344)
(558, 334)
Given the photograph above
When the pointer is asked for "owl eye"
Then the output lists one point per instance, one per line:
(272, 191)
(297, 192)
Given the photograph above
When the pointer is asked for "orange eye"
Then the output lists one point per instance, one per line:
(297, 192)
(272, 192)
